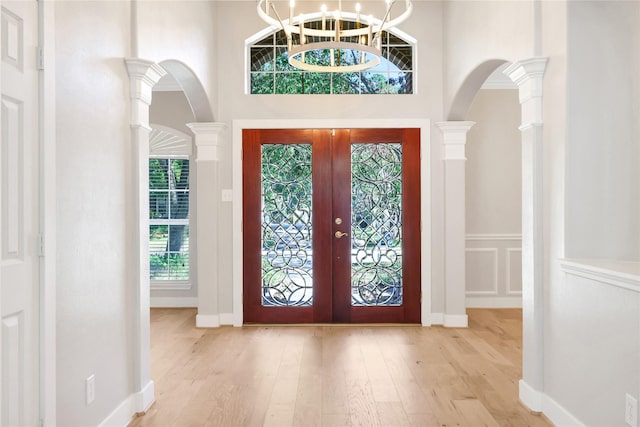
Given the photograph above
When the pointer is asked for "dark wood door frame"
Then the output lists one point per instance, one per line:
(328, 179)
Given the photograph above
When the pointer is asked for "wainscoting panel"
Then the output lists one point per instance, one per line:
(514, 271)
(494, 270)
(482, 263)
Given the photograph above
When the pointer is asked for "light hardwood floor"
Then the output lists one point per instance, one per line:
(337, 375)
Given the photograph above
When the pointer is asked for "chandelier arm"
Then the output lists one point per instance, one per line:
(400, 19)
(266, 18)
(313, 32)
(368, 44)
(284, 27)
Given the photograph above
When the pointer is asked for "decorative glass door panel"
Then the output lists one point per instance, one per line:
(287, 254)
(376, 224)
(331, 225)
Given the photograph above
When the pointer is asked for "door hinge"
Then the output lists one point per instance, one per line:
(40, 58)
(40, 244)
(333, 132)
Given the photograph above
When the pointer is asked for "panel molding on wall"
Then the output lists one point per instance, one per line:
(491, 277)
(500, 278)
(509, 279)
(493, 237)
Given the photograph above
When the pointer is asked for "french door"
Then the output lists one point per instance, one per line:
(331, 225)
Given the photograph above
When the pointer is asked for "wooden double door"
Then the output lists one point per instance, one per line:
(331, 225)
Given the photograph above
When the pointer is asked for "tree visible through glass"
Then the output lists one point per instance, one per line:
(376, 230)
(271, 72)
(286, 225)
(168, 219)
(376, 224)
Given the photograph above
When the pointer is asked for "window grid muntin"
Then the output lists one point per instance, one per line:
(167, 221)
(278, 41)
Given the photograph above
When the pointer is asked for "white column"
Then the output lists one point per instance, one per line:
(454, 139)
(528, 76)
(143, 75)
(208, 198)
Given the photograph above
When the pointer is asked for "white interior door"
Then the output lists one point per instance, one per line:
(19, 197)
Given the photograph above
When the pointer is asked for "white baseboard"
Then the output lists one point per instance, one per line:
(227, 319)
(437, 318)
(135, 403)
(494, 302)
(558, 415)
(121, 416)
(178, 302)
(530, 397)
(540, 402)
(456, 321)
(214, 320)
(144, 399)
(207, 320)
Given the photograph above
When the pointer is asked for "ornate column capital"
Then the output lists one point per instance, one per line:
(144, 75)
(454, 135)
(528, 75)
(207, 140)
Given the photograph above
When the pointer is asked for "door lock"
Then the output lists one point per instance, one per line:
(340, 234)
(338, 221)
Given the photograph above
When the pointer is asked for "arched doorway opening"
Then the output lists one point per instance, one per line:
(493, 196)
(527, 75)
(144, 75)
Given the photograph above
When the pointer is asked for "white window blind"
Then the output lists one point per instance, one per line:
(169, 255)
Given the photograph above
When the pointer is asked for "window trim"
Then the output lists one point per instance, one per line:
(270, 31)
(169, 143)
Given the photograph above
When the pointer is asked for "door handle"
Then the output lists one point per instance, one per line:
(340, 234)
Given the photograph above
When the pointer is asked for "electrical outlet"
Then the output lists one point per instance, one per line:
(631, 410)
(90, 389)
(227, 195)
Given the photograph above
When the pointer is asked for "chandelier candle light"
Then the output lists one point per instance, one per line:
(365, 38)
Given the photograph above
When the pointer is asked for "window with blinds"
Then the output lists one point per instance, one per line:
(169, 219)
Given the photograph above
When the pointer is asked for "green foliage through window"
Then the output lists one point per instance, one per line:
(271, 72)
(169, 219)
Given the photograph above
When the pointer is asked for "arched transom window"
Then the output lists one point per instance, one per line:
(271, 73)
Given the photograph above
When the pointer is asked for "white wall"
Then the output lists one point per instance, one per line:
(603, 176)
(493, 184)
(184, 32)
(592, 329)
(171, 109)
(93, 209)
(479, 31)
(593, 345)
(493, 200)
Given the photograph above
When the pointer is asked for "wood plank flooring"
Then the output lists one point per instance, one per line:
(337, 375)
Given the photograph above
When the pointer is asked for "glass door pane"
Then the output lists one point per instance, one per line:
(287, 255)
(376, 224)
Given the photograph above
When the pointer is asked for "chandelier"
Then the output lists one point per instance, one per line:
(339, 32)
